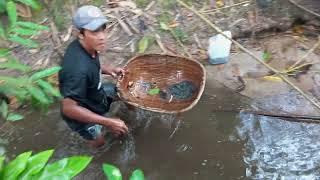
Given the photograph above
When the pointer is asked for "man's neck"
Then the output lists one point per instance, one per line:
(92, 52)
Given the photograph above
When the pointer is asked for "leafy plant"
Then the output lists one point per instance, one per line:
(20, 31)
(32, 87)
(27, 166)
(113, 173)
(144, 43)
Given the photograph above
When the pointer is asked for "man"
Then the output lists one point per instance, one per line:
(85, 98)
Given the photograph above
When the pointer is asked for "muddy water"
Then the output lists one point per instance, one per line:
(211, 141)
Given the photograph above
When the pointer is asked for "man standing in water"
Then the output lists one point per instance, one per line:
(85, 98)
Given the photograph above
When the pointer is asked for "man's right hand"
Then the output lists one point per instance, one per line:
(117, 126)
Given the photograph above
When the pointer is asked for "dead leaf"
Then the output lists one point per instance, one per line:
(273, 78)
(23, 10)
(219, 3)
(129, 4)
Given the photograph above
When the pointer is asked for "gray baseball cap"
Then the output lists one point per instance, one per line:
(89, 17)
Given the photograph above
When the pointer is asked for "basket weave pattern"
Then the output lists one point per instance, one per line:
(162, 71)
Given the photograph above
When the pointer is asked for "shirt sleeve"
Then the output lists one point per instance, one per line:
(75, 87)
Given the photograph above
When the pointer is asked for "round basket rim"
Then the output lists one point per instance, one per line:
(195, 101)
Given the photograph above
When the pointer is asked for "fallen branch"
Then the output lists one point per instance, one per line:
(251, 54)
(303, 8)
(287, 117)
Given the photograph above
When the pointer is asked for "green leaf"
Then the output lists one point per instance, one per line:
(154, 91)
(14, 117)
(144, 43)
(35, 164)
(65, 169)
(1, 165)
(12, 13)
(38, 94)
(2, 6)
(32, 25)
(164, 26)
(4, 51)
(112, 172)
(45, 73)
(266, 56)
(15, 82)
(25, 32)
(14, 64)
(4, 109)
(180, 34)
(26, 42)
(137, 175)
(48, 88)
(2, 31)
(32, 3)
(16, 166)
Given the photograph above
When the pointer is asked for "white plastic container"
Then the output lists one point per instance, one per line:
(219, 48)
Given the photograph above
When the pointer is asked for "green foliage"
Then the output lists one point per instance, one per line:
(113, 173)
(32, 88)
(15, 167)
(12, 13)
(144, 43)
(137, 175)
(14, 65)
(142, 3)
(25, 167)
(154, 91)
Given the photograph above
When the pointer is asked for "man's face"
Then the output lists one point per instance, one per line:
(95, 39)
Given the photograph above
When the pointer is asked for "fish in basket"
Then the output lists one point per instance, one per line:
(162, 83)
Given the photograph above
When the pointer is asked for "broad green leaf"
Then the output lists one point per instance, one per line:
(137, 175)
(24, 32)
(38, 94)
(32, 25)
(4, 51)
(2, 158)
(266, 56)
(164, 26)
(45, 73)
(14, 64)
(143, 44)
(26, 42)
(4, 109)
(32, 3)
(14, 117)
(154, 91)
(48, 88)
(112, 172)
(35, 164)
(16, 166)
(66, 168)
(12, 13)
(2, 31)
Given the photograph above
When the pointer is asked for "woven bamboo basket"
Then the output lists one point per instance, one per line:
(161, 71)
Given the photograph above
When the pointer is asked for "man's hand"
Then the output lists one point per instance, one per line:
(117, 71)
(117, 126)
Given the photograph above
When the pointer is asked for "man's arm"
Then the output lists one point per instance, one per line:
(71, 109)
